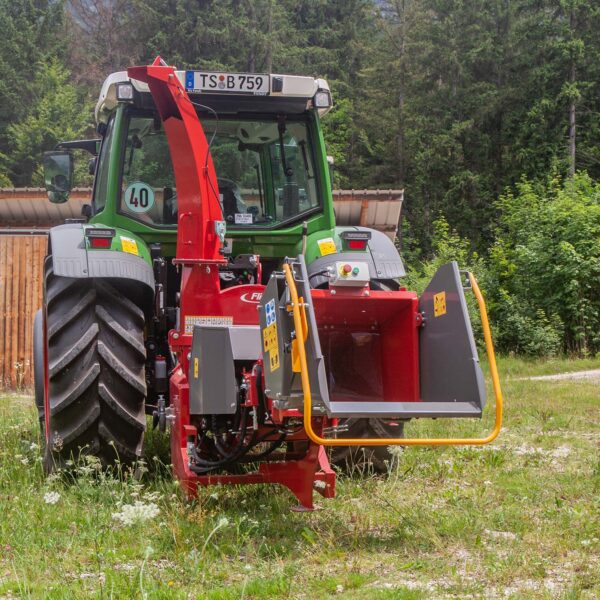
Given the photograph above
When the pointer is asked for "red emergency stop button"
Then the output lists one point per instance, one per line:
(346, 270)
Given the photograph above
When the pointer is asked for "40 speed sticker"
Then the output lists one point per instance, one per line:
(139, 197)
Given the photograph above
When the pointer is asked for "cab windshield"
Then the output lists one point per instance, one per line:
(265, 171)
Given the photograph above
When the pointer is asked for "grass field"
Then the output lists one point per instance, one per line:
(517, 519)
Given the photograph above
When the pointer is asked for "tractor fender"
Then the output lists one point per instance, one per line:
(70, 258)
(382, 258)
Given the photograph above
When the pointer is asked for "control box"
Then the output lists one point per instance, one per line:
(349, 273)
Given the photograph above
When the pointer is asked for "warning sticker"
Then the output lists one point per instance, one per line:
(439, 304)
(270, 314)
(243, 218)
(269, 333)
(327, 246)
(191, 320)
(270, 337)
(129, 245)
(274, 359)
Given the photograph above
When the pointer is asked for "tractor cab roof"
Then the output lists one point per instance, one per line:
(225, 93)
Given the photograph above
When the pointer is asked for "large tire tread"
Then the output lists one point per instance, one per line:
(96, 374)
(377, 458)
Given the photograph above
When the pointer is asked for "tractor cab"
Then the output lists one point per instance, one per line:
(265, 142)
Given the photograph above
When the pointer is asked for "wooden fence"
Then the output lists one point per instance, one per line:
(21, 274)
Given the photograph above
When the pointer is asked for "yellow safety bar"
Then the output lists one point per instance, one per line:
(300, 337)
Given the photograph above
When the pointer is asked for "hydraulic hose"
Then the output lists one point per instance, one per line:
(203, 465)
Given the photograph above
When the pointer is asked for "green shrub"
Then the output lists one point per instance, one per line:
(447, 246)
(541, 278)
(544, 269)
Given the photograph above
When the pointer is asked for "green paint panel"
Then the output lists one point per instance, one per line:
(124, 241)
(273, 243)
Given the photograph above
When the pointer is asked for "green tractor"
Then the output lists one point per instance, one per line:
(275, 189)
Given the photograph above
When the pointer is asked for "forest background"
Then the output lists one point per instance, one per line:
(487, 113)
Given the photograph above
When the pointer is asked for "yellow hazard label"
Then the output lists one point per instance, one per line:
(274, 359)
(271, 345)
(196, 368)
(270, 337)
(129, 245)
(326, 246)
(439, 304)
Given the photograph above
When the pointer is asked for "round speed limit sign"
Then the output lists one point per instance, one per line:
(139, 197)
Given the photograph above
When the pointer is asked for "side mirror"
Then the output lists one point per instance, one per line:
(58, 175)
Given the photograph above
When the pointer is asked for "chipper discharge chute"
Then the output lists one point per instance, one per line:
(281, 333)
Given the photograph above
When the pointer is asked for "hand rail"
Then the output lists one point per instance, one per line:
(393, 441)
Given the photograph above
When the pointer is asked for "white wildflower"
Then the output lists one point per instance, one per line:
(152, 496)
(33, 446)
(395, 450)
(25, 461)
(51, 497)
(138, 512)
(94, 462)
(320, 485)
(223, 522)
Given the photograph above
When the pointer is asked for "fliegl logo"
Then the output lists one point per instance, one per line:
(251, 297)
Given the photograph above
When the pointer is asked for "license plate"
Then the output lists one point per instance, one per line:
(237, 83)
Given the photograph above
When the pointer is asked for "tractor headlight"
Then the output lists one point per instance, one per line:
(322, 99)
(124, 92)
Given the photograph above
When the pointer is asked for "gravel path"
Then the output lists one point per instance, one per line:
(589, 376)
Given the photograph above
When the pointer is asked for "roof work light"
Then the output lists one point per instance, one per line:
(124, 92)
(322, 99)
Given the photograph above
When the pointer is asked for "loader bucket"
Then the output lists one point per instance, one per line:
(387, 354)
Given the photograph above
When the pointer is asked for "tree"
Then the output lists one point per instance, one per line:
(31, 30)
(59, 113)
(104, 38)
(546, 266)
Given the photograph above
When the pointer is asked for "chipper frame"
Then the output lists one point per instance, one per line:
(256, 395)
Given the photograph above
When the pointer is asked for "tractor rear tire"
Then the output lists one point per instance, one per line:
(96, 372)
(38, 369)
(379, 458)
